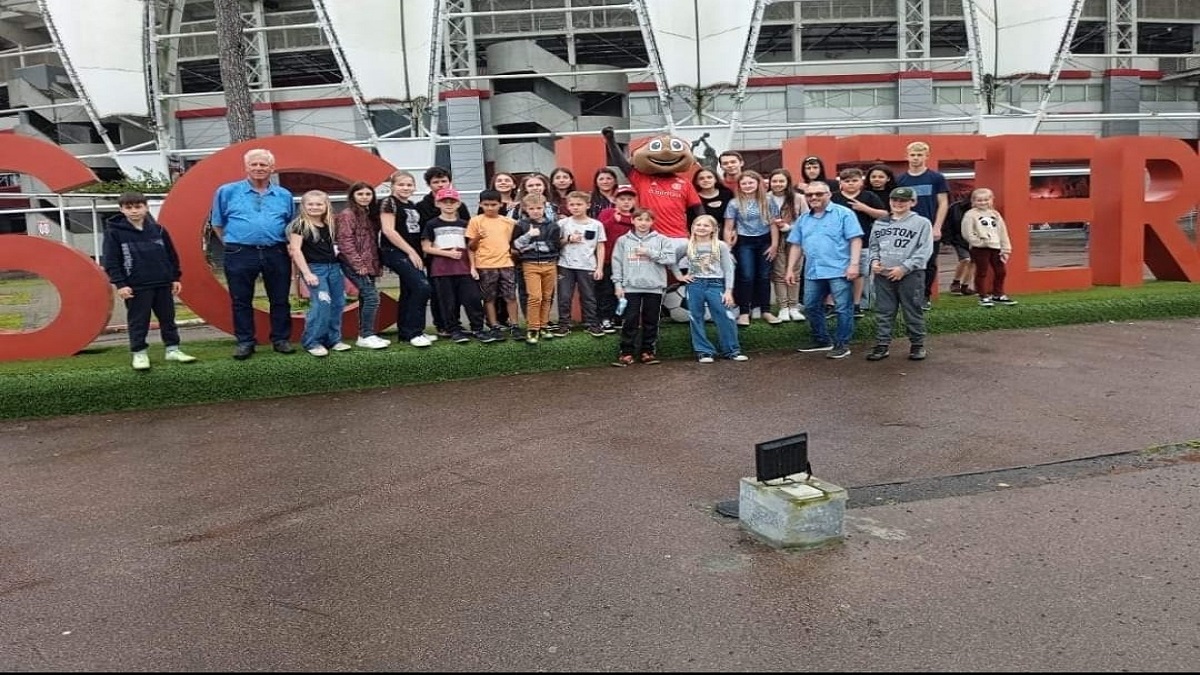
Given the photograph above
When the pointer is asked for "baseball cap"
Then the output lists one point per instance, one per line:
(625, 190)
(446, 193)
(905, 193)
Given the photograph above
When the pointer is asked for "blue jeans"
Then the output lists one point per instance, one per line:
(243, 265)
(414, 294)
(752, 284)
(842, 290)
(368, 301)
(708, 292)
(323, 323)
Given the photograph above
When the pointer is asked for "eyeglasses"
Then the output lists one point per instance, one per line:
(810, 195)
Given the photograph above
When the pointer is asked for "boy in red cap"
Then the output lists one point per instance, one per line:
(617, 221)
(452, 266)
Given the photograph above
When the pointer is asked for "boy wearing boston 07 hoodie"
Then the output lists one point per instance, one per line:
(142, 264)
(901, 244)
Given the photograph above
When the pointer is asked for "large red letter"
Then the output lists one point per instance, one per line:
(1006, 173)
(186, 212)
(83, 290)
(1142, 186)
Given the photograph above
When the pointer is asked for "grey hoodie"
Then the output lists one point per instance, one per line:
(907, 242)
(645, 273)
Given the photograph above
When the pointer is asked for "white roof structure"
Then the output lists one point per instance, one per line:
(405, 53)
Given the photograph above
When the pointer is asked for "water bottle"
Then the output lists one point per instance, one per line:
(621, 304)
(732, 312)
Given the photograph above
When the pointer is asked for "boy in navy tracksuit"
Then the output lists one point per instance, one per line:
(142, 264)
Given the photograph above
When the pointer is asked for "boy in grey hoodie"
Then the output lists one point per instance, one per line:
(900, 245)
(639, 274)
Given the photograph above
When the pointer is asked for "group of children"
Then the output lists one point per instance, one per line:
(615, 263)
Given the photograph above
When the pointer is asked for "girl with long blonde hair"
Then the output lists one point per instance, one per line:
(710, 286)
(311, 238)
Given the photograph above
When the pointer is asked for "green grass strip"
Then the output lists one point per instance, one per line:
(11, 321)
(100, 379)
(15, 298)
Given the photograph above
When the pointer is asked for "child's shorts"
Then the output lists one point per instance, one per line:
(500, 282)
(962, 251)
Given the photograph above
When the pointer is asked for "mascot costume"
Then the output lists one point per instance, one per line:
(660, 169)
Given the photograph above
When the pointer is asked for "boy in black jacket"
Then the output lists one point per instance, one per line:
(142, 264)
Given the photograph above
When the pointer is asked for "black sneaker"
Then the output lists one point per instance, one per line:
(459, 337)
(283, 347)
(243, 351)
(608, 327)
(879, 353)
(1004, 300)
(838, 352)
(830, 311)
(956, 287)
(596, 331)
(927, 306)
(487, 335)
(815, 347)
(514, 331)
(561, 330)
(916, 353)
(858, 312)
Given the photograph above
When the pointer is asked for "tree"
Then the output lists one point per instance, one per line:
(231, 46)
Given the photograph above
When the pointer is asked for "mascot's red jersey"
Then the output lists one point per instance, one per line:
(660, 171)
(668, 196)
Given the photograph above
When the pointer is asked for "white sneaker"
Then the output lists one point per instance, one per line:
(178, 356)
(432, 337)
(797, 314)
(785, 314)
(340, 347)
(141, 361)
(705, 359)
(739, 357)
(372, 342)
(319, 351)
(420, 341)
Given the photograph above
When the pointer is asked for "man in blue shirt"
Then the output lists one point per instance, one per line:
(251, 217)
(831, 241)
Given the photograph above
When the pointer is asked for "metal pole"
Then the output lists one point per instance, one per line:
(95, 232)
(524, 12)
(249, 29)
(572, 73)
(62, 220)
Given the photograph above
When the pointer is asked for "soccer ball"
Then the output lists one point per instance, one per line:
(674, 305)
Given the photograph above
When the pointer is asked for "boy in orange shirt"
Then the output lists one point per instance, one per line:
(489, 236)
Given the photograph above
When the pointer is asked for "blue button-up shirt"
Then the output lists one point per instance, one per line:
(250, 217)
(826, 241)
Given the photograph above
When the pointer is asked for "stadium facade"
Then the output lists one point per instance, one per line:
(487, 85)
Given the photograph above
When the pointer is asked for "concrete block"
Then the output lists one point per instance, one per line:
(802, 513)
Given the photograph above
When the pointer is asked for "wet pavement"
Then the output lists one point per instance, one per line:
(564, 521)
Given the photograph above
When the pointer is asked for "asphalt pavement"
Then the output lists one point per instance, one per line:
(564, 521)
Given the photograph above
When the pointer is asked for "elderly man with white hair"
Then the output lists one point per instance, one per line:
(251, 218)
